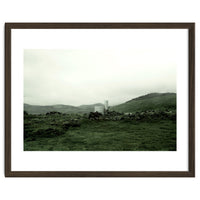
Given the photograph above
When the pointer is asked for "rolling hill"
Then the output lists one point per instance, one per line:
(153, 101)
(35, 109)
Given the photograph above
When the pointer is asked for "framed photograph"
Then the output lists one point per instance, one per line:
(99, 99)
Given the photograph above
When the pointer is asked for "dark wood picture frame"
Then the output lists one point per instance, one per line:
(191, 99)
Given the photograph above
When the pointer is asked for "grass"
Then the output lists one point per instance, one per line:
(157, 135)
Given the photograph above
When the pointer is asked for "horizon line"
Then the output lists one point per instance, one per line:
(99, 102)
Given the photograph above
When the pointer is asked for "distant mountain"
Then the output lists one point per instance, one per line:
(36, 109)
(153, 101)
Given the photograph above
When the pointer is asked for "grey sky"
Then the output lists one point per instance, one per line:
(76, 77)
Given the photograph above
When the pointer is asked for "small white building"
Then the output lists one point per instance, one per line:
(99, 109)
(102, 108)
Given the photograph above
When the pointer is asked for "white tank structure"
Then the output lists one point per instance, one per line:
(106, 104)
(99, 109)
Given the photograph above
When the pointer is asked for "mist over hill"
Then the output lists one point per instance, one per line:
(152, 101)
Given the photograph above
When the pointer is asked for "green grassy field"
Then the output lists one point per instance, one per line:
(157, 135)
(146, 123)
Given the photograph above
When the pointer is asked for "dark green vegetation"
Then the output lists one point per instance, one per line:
(139, 128)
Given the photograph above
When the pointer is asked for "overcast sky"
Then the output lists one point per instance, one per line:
(77, 77)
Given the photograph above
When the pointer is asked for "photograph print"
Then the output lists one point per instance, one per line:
(99, 100)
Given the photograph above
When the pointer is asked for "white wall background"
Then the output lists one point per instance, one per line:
(101, 11)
